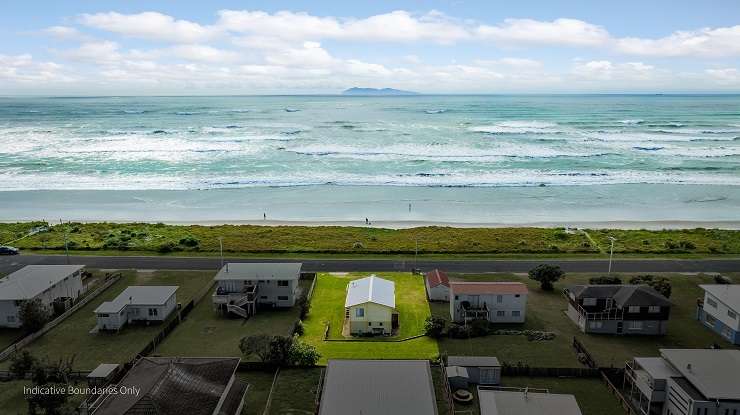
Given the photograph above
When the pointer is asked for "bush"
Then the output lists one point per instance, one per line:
(721, 279)
(688, 245)
(302, 354)
(190, 241)
(479, 328)
(21, 363)
(33, 315)
(358, 245)
(298, 328)
(660, 284)
(546, 275)
(605, 280)
(166, 247)
(458, 331)
(434, 326)
(304, 305)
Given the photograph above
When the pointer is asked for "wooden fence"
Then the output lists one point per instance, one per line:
(588, 359)
(110, 280)
(550, 372)
(626, 405)
(446, 390)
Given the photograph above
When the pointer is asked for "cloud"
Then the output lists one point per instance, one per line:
(396, 26)
(724, 76)
(24, 69)
(604, 70)
(718, 42)
(101, 52)
(150, 25)
(64, 33)
(204, 53)
(570, 32)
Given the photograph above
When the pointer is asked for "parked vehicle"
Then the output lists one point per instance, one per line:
(8, 250)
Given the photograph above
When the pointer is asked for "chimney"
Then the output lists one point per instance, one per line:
(688, 367)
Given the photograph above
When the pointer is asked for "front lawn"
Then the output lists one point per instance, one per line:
(72, 337)
(327, 307)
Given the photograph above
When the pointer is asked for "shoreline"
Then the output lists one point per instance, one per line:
(621, 225)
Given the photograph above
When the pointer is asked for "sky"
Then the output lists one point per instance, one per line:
(101, 47)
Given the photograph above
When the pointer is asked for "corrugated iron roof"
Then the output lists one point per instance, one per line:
(437, 277)
(488, 288)
(371, 290)
(32, 280)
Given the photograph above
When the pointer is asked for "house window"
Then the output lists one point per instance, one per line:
(635, 325)
(731, 314)
(380, 324)
(11, 319)
(282, 297)
(499, 298)
(654, 309)
(457, 298)
(711, 302)
(359, 312)
(516, 313)
(501, 313)
(369, 323)
(634, 309)
(102, 315)
(596, 324)
(589, 301)
(282, 283)
(710, 320)
(153, 312)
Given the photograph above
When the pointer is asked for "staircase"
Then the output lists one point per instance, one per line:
(237, 310)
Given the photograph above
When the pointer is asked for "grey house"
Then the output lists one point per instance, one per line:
(685, 382)
(241, 287)
(483, 370)
(618, 309)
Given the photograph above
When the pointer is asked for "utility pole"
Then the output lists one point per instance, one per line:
(221, 246)
(611, 254)
(416, 252)
(66, 240)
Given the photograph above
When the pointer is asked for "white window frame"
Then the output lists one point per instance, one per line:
(712, 302)
(499, 298)
(633, 309)
(589, 301)
(500, 313)
(636, 325)
(731, 314)
(359, 312)
(654, 309)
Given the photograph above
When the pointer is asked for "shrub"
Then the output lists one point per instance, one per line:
(688, 245)
(721, 279)
(190, 241)
(660, 284)
(21, 363)
(478, 328)
(546, 275)
(298, 328)
(302, 354)
(561, 235)
(458, 331)
(605, 280)
(434, 326)
(33, 315)
(166, 247)
(358, 245)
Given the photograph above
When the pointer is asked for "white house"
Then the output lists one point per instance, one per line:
(240, 287)
(437, 285)
(497, 302)
(370, 306)
(137, 304)
(47, 283)
(527, 401)
(720, 310)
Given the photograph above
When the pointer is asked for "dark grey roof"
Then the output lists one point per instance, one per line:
(378, 387)
(32, 280)
(713, 372)
(623, 295)
(173, 386)
(469, 361)
(260, 271)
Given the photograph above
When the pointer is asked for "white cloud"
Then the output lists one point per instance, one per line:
(569, 32)
(150, 25)
(24, 69)
(604, 70)
(204, 53)
(725, 76)
(101, 52)
(722, 41)
(64, 33)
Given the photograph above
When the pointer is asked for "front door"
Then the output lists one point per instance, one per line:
(620, 327)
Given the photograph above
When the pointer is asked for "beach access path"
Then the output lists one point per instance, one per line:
(11, 263)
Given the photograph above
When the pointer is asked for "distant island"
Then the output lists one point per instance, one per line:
(377, 91)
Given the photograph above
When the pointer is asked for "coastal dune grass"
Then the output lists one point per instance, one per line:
(111, 238)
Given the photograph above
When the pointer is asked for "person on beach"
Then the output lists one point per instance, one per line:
(264, 216)
(367, 221)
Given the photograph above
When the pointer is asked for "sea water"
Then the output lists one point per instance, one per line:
(466, 159)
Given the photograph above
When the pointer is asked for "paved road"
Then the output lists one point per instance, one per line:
(11, 263)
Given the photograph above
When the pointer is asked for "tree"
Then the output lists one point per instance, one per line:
(434, 326)
(546, 274)
(280, 348)
(33, 315)
(303, 354)
(22, 363)
(659, 284)
(258, 344)
(605, 280)
(51, 376)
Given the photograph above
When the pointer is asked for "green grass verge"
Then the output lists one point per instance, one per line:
(72, 337)
(327, 306)
(295, 392)
(246, 239)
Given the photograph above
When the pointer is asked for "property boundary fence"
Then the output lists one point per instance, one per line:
(266, 411)
(580, 348)
(446, 390)
(550, 372)
(109, 280)
(626, 405)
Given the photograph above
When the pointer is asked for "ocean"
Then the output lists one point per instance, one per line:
(451, 159)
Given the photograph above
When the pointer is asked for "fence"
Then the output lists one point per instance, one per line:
(6, 375)
(551, 372)
(581, 349)
(110, 280)
(446, 390)
(626, 405)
